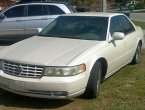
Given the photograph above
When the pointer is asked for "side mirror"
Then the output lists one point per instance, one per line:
(2, 16)
(39, 30)
(118, 36)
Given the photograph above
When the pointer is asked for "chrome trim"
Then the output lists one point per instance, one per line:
(22, 70)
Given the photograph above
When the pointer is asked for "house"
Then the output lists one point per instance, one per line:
(6, 3)
(3, 4)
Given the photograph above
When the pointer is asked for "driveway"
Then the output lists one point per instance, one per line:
(138, 17)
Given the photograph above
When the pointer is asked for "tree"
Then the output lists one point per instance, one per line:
(93, 4)
(119, 1)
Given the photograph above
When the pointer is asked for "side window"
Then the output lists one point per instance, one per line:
(35, 10)
(18, 11)
(127, 26)
(54, 10)
(121, 24)
(114, 27)
(45, 10)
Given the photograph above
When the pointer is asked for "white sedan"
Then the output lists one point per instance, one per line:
(71, 56)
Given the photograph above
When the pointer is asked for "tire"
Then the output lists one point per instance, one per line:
(93, 86)
(137, 56)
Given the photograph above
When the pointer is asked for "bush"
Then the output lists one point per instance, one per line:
(139, 6)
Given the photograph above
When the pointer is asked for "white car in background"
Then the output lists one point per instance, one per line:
(27, 19)
(132, 3)
(71, 56)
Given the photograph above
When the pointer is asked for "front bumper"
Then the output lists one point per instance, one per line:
(45, 87)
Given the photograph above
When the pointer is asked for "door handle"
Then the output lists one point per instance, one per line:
(19, 20)
(44, 18)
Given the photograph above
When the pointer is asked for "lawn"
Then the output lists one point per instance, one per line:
(141, 24)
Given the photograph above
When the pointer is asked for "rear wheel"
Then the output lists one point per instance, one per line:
(137, 55)
(93, 86)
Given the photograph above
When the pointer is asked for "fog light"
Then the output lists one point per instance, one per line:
(60, 93)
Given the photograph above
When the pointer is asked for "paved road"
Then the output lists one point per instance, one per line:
(138, 16)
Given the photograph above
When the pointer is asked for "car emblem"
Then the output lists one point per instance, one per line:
(19, 69)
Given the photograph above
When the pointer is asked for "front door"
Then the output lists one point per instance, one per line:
(122, 50)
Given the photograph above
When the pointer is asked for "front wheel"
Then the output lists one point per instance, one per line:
(137, 55)
(93, 86)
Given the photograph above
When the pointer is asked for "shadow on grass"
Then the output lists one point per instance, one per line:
(8, 99)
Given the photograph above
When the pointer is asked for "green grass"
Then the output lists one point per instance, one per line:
(139, 23)
(125, 90)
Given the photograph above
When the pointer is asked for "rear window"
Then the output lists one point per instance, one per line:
(54, 10)
(35, 10)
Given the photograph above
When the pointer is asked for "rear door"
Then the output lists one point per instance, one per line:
(12, 26)
(130, 37)
(37, 17)
(118, 48)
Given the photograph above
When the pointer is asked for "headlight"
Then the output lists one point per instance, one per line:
(64, 71)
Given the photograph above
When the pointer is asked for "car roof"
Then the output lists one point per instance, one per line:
(98, 14)
(42, 2)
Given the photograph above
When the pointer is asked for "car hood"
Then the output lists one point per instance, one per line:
(46, 51)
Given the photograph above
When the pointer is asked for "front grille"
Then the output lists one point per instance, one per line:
(22, 70)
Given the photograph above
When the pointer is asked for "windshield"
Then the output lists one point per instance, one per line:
(77, 27)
